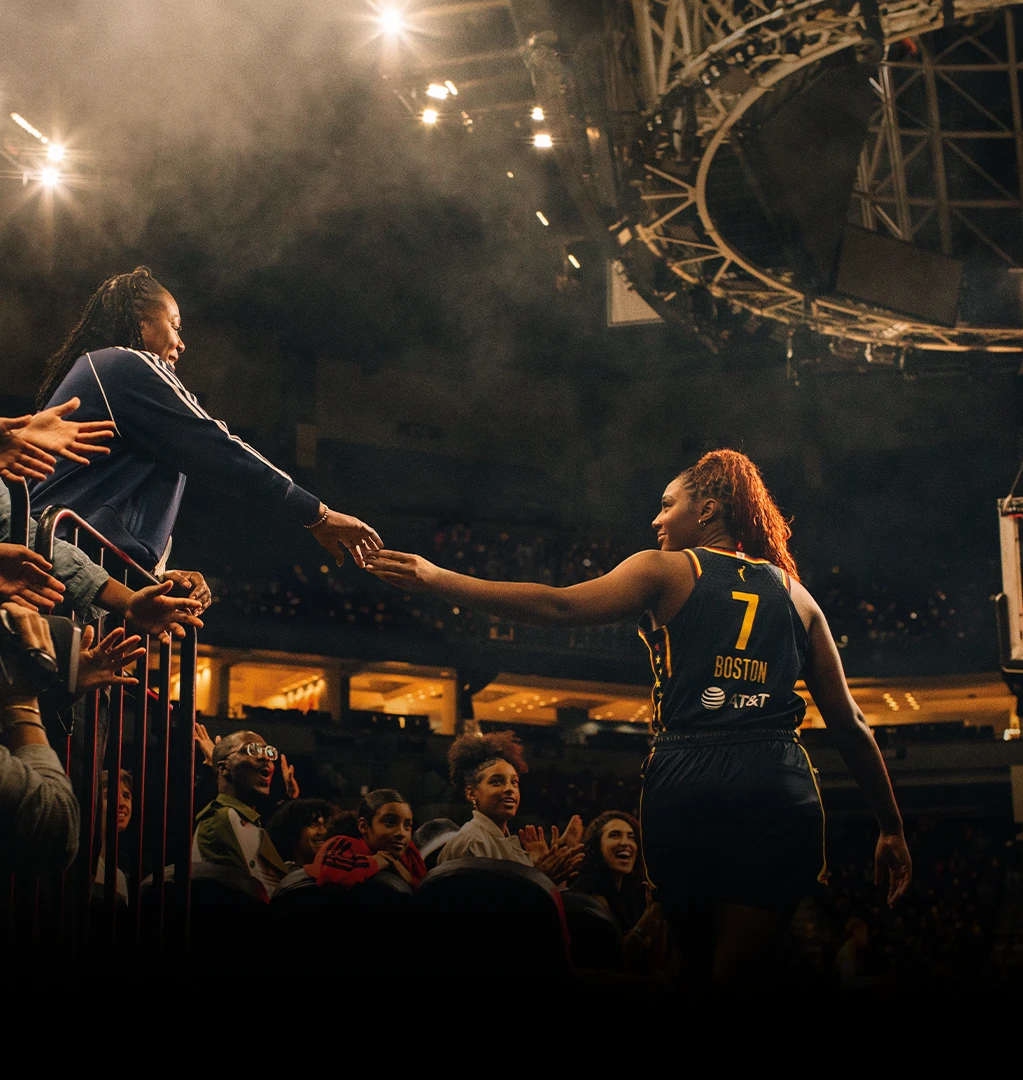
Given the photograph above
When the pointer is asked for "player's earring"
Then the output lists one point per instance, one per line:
(703, 523)
(474, 804)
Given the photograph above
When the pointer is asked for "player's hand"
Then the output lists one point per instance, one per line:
(24, 577)
(152, 610)
(102, 665)
(193, 583)
(412, 573)
(339, 531)
(49, 431)
(892, 855)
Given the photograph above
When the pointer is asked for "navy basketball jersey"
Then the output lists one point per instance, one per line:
(730, 658)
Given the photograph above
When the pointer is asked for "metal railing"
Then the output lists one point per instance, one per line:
(137, 730)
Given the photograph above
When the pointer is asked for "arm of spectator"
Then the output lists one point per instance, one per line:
(48, 431)
(338, 864)
(854, 740)
(630, 589)
(291, 788)
(194, 585)
(334, 531)
(20, 459)
(102, 664)
(39, 817)
(561, 864)
(151, 609)
(205, 743)
(534, 843)
(395, 864)
(25, 576)
(572, 835)
(646, 944)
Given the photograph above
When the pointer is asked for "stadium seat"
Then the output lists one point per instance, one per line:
(471, 909)
(594, 933)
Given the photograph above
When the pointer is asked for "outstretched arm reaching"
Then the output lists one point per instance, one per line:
(633, 587)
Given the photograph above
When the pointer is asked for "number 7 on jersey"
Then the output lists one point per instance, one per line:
(750, 600)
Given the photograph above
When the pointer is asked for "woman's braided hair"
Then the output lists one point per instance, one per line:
(750, 514)
(111, 317)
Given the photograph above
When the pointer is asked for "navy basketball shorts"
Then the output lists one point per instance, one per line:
(737, 822)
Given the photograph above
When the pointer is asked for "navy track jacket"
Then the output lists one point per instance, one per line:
(132, 495)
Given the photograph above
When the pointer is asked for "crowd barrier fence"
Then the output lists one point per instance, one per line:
(74, 918)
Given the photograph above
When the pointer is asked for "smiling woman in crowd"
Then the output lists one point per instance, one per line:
(486, 768)
(384, 842)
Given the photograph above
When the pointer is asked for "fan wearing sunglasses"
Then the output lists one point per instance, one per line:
(228, 830)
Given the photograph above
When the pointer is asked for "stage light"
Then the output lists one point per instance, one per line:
(542, 141)
(391, 21)
(430, 116)
(511, 175)
(543, 220)
(435, 90)
(537, 113)
(452, 89)
(23, 123)
(574, 261)
(55, 152)
(49, 177)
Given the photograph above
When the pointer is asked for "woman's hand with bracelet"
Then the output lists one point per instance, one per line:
(20, 720)
(335, 531)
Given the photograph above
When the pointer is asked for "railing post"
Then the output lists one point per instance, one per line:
(184, 759)
(163, 831)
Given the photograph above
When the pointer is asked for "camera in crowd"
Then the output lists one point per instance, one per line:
(19, 662)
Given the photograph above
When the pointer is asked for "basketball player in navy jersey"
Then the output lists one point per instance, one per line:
(733, 825)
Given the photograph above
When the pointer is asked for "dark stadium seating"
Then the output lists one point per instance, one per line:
(467, 909)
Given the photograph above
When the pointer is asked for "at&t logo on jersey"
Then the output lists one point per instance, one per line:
(714, 698)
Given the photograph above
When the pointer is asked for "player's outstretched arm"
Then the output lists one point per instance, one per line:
(854, 740)
(626, 592)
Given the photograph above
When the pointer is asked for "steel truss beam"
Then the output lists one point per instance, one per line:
(704, 63)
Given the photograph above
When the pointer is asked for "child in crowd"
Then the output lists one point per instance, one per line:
(384, 842)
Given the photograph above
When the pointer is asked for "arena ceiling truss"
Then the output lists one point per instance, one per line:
(703, 64)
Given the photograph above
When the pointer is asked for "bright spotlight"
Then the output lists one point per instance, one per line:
(391, 21)
(543, 219)
(537, 113)
(49, 177)
(435, 90)
(429, 116)
(452, 89)
(55, 152)
(25, 125)
(542, 141)
(574, 261)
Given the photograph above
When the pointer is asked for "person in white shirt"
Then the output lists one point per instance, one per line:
(486, 768)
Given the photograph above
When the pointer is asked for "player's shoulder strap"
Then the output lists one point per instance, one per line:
(694, 560)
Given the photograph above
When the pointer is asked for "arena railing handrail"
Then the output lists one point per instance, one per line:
(171, 775)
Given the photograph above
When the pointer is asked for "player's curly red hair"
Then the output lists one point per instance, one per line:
(750, 514)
